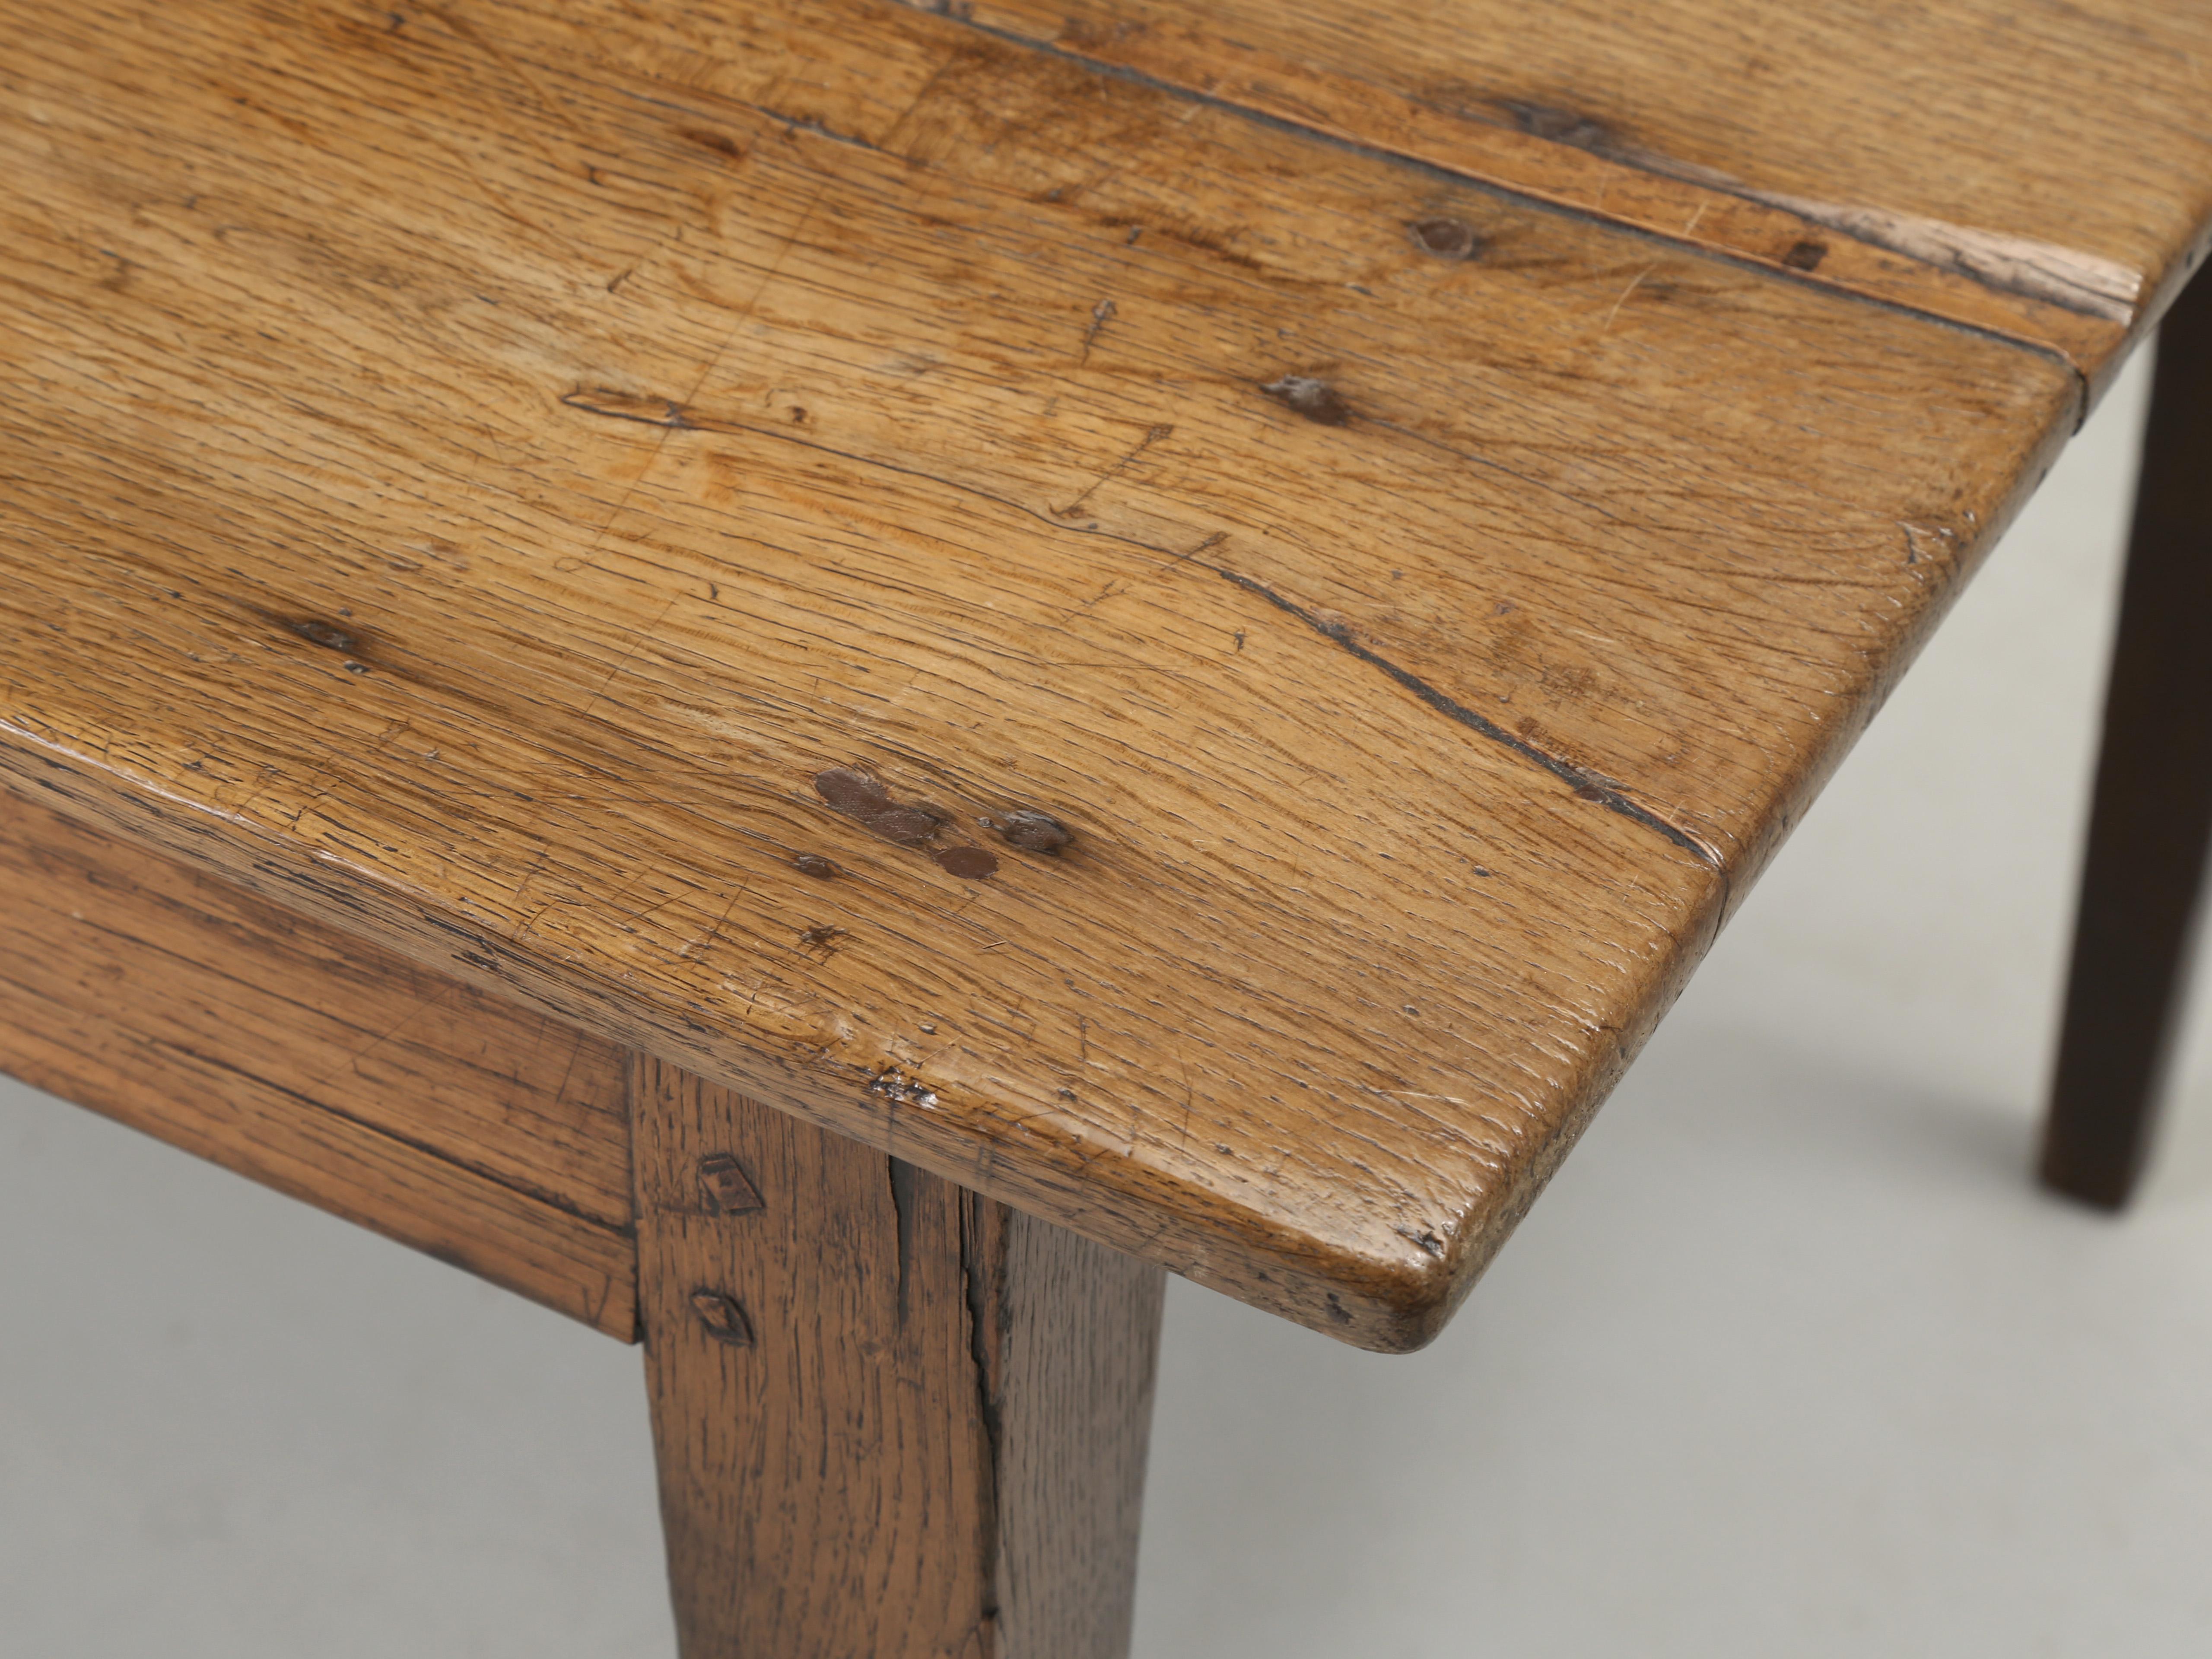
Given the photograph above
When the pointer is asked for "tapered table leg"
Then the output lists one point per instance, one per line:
(2153, 812)
(893, 1420)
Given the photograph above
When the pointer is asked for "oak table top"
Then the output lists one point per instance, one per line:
(1190, 617)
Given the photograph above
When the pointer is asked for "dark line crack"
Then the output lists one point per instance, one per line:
(1585, 784)
(666, 412)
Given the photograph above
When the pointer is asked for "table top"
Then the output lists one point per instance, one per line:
(1191, 618)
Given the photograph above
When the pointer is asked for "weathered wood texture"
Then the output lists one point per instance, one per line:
(2042, 169)
(327, 1068)
(895, 1420)
(2151, 820)
(473, 471)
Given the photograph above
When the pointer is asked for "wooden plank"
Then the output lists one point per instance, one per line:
(479, 476)
(894, 1420)
(320, 1066)
(2041, 170)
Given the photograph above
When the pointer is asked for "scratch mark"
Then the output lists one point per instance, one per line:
(1152, 436)
(1635, 282)
(353, 1059)
(637, 642)
(1212, 541)
(490, 49)
(714, 933)
(1101, 314)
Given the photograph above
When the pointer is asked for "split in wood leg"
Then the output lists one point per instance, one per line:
(893, 1419)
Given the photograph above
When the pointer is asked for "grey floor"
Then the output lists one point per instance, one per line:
(1790, 1360)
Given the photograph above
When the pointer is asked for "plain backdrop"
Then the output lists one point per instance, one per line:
(1791, 1359)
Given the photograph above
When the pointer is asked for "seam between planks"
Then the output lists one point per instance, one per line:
(1522, 194)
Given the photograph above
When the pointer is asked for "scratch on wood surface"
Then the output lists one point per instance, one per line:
(1101, 314)
(1152, 436)
(1634, 283)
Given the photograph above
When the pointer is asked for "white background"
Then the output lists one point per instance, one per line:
(1791, 1360)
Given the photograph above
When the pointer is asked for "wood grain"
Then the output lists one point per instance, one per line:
(2043, 170)
(893, 1420)
(477, 469)
(174, 1002)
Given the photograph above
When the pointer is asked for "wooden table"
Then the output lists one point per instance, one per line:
(822, 682)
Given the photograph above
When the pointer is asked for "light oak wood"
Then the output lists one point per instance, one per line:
(893, 1419)
(636, 510)
(317, 1064)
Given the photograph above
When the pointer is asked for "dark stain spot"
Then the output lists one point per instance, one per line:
(909, 826)
(1336, 1313)
(1589, 792)
(725, 1321)
(813, 864)
(798, 415)
(857, 795)
(1561, 126)
(968, 863)
(1806, 255)
(822, 936)
(1318, 400)
(721, 142)
(1031, 830)
(329, 636)
(1448, 238)
(853, 793)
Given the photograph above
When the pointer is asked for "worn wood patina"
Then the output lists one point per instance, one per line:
(1163, 632)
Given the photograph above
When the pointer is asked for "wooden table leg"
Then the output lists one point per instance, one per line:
(893, 1419)
(2153, 813)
